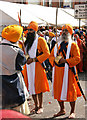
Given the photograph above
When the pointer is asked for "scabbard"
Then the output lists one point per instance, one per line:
(76, 77)
(81, 90)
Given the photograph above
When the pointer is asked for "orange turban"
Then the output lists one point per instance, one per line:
(33, 25)
(12, 33)
(68, 27)
(75, 35)
(51, 34)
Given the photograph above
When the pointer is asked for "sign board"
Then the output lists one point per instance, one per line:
(80, 11)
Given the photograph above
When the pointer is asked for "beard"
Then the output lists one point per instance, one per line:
(29, 41)
(65, 37)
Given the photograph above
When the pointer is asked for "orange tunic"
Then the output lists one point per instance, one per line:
(40, 81)
(72, 91)
(24, 72)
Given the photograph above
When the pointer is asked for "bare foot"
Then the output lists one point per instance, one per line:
(72, 116)
(60, 113)
(34, 110)
(40, 110)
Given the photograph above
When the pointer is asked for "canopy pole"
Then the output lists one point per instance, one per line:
(56, 20)
(79, 23)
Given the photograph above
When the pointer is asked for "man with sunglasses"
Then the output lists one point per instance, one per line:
(64, 56)
(37, 49)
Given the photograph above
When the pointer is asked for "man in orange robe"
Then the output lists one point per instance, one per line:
(38, 51)
(65, 88)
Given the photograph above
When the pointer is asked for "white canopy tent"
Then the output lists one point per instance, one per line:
(9, 14)
(42, 15)
(48, 14)
(12, 9)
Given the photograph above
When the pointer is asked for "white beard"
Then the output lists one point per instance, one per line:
(66, 37)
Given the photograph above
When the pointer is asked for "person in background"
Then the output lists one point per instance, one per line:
(64, 56)
(46, 35)
(12, 59)
(38, 51)
(79, 43)
(52, 40)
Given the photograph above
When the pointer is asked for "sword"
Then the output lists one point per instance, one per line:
(76, 77)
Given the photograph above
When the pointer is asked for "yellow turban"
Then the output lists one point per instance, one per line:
(51, 34)
(68, 27)
(12, 33)
(33, 25)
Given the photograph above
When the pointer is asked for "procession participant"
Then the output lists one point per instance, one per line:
(46, 36)
(65, 87)
(38, 51)
(79, 43)
(12, 59)
(51, 40)
(85, 54)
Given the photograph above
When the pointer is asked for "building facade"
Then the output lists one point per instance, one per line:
(18, 1)
(51, 3)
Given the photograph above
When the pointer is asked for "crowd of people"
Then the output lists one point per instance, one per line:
(79, 36)
(33, 55)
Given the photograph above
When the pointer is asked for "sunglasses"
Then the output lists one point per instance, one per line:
(30, 30)
(65, 30)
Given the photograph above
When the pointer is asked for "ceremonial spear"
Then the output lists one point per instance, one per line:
(20, 23)
(23, 47)
(22, 33)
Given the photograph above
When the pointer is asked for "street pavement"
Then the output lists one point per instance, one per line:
(51, 106)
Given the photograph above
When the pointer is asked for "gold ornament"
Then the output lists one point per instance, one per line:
(57, 58)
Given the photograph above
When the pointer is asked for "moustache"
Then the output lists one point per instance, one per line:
(31, 34)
